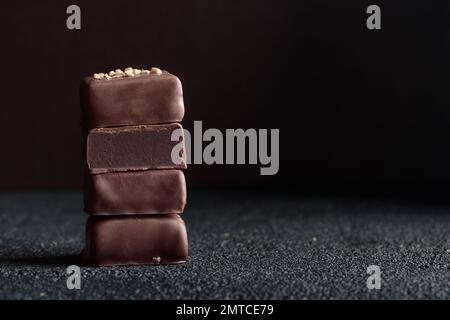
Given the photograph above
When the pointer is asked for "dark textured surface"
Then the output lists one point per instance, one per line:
(242, 245)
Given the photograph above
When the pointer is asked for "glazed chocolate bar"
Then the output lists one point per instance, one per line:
(134, 98)
(123, 240)
(135, 192)
(133, 148)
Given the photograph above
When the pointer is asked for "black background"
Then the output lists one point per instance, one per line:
(353, 106)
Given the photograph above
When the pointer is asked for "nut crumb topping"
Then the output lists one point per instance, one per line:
(128, 72)
(155, 70)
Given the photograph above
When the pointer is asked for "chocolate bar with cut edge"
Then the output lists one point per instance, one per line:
(137, 192)
(134, 240)
(133, 148)
(142, 99)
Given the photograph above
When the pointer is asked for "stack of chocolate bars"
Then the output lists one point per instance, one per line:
(134, 152)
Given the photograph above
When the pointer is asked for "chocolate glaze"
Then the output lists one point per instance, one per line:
(138, 192)
(129, 240)
(144, 99)
(132, 148)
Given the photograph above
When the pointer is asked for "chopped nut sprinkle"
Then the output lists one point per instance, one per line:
(126, 73)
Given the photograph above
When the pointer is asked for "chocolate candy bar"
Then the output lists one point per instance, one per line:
(139, 99)
(122, 240)
(133, 148)
(138, 192)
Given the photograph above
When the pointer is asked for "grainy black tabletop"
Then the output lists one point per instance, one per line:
(242, 245)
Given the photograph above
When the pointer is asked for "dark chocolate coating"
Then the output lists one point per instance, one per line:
(144, 99)
(132, 148)
(131, 240)
(138, 192)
